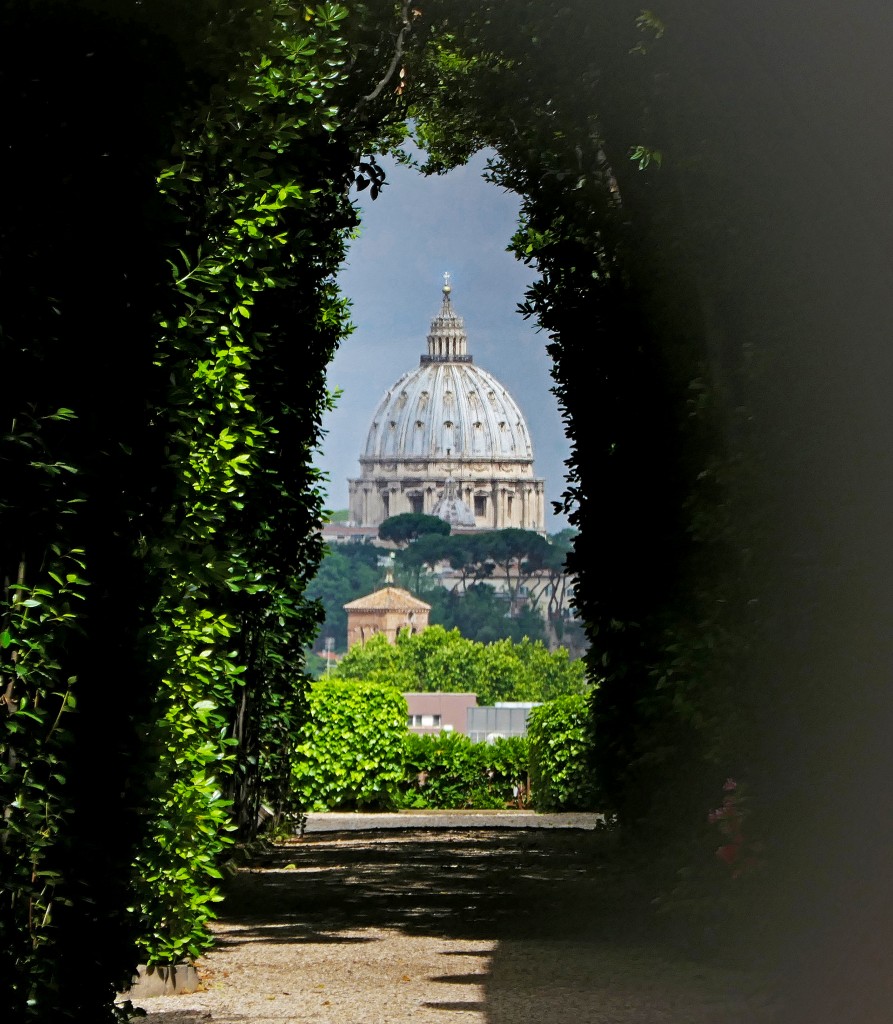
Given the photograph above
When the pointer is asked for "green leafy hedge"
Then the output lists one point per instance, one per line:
(351, 751)
(355, 753)
(449, 771)
(561, 746)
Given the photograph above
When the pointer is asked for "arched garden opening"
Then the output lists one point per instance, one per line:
(712, 277)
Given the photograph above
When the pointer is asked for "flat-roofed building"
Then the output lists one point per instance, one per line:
(500, 721)
(433, 713)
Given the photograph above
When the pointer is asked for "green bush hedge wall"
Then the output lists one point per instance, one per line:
(351, 751)
(561, 744)
(450, 772)
(355, 753)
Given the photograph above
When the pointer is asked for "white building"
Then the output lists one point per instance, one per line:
(449, 439)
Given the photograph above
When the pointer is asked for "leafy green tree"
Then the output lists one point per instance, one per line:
(514, 554)
(419, 559)
(564, 538)
(437, 660)
(468, 555)
(347, 571)
(521, 559)
(409, 526)
(377, 660)
(482, 614)
(548, 578)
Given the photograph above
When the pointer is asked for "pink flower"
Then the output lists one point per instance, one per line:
(730, 784)
(729, 853)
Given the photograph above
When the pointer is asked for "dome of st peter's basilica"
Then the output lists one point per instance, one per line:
(449, 421)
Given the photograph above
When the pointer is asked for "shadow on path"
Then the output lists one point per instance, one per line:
(570, 940)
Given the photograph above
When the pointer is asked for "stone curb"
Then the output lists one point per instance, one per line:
(149, 982)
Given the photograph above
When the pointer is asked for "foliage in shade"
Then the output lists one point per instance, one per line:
(561, 741)
(82, 463)
(162, 531)
(350, 750)
(660, 582)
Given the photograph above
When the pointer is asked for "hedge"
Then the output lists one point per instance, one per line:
(351, 751)
(449, 771)
(561, 749)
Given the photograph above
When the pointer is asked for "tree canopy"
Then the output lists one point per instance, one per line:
(481, 613)
(438, 660)
(477, 609)
(346, 572)
(409, 526)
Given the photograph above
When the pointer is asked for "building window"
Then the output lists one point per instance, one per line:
(415, 503)
(480, 505)
(423, 721)
(386, 502)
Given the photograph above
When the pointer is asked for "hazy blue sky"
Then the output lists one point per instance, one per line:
(418, 228)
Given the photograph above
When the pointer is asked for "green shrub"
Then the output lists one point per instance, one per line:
(351, 751)
(510, 760)
(561, 774)
(450, 772)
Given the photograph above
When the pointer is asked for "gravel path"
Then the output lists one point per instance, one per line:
(503, 921)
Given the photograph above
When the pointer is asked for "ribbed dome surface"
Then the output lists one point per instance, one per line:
(448, 409)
